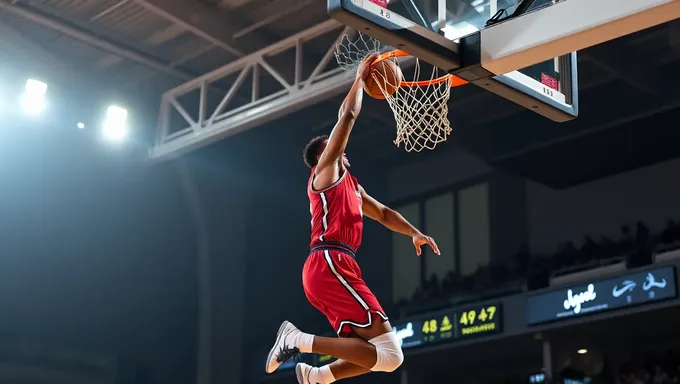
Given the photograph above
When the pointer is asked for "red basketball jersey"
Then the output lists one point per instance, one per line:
(336, 212)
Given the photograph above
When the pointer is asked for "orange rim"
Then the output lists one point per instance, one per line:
(455, 80)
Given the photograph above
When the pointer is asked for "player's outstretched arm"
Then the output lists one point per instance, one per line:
(395, 221)
(351, 106)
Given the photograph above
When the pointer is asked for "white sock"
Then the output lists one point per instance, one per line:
(304, 342)
(322, 375)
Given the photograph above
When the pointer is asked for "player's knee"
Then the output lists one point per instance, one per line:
(388, 351)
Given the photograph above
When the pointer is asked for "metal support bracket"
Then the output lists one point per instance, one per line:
(216, 123)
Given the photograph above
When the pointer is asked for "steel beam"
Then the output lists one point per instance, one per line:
(222, 121)
(104, 45)
(49, 64)
(213, 25)
(189, 27)
(108, 10)
(289, 9)
(209, 23)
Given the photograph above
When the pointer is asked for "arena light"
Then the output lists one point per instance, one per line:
(115, 123)
(80, 125)
(582, 351)
(32, 100)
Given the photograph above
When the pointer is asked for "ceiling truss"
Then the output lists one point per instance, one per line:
(212, 124)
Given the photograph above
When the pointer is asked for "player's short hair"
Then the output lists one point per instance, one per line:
(313, 149)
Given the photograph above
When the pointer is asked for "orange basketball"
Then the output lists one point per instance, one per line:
(386, 75)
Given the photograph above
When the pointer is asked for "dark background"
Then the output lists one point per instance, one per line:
(181, 271)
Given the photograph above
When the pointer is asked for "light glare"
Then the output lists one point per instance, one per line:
(32, 100)
(35, 87)
(115, 124)
(582, 351)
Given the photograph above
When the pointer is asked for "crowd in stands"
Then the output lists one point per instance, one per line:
(663, 369)
(659, 368)
(652, 369)
(634, 246)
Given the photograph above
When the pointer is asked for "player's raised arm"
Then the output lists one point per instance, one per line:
(351, 106)
(395, 221)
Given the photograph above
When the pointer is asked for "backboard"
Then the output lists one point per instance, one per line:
(549, 88)
(522, 50)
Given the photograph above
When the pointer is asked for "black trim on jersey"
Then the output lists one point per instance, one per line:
(337, 182)
(333, 246)
(324, 218)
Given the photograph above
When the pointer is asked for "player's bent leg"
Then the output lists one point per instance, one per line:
(377, 348)
(357, 351)
(380, 353)
(337, 370)
(389, 355)
(342, 369)
(306, 374)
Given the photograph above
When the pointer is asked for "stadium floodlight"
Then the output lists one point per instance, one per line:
(80, 125)
(115, 123)
(32, 100)
(582, 351)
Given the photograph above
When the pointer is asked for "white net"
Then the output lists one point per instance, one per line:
(420, 106)
(351, 51)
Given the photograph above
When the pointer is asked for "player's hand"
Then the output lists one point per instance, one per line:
(419, 239)
(364, 69)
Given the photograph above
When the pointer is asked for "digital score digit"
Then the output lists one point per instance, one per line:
(437, 329)
(479, 320)
(430, 330)
(447, 326)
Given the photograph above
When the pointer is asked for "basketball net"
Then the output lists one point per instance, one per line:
(420, 106)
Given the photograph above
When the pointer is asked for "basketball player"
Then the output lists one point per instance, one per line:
(331, 276)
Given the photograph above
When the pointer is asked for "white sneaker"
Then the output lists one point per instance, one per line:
(302, 372)
(284, 347)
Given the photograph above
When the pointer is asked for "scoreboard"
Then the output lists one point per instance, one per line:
(450, 325)
(435, 328)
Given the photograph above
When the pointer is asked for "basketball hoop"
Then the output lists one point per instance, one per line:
(420, 105)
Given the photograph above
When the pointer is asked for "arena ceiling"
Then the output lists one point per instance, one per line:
(160, 41)
(152, 45)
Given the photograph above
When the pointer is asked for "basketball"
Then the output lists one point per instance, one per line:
(386, 75)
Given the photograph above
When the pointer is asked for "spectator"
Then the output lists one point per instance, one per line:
(670, 233)
(641, 234)
(589, 249)
(660, 376)
(626, 242)
(607, 248)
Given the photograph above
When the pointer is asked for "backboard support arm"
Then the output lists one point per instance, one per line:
(565, 27)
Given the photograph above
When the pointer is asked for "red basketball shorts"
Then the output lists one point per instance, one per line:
(333, 284)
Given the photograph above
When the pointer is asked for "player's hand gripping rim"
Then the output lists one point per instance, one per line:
(419, 240)
(364, 69)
